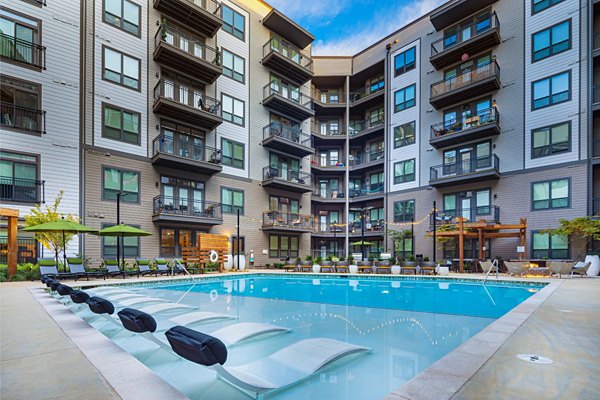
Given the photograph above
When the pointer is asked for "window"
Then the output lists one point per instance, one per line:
(233, 66)
(232, 200)
(233, 110)
(551, 194)
(404, 211)
(403, 248)
(550, 246)
(467, 29)
(181, 196)
(552, 90)
(551, 140)
(20, 102)
(404, 98)
(183, 141)
(130, 246)
(404, 134)
(540, 5)
(404, 171)
(232, 153)
(468, 204)
(283, 246)
(19, 38)
(121, 69)
(116, 181)
(123, 14)
(233, 22)
(18, 177)
(376, 182)
(120, 124)
(404, 61)
(551, 41)
(375, 84)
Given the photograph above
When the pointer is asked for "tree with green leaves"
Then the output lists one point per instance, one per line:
(51, 240)
(582, 228)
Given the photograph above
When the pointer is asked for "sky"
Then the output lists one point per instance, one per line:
(345, 27)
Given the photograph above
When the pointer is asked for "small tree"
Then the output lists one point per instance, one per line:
(581, 228)
(50, 240)
(399, 236)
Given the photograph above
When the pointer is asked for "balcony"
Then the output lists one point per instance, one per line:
(288, 101)
(483, 79)
(21, 190)
(329, 229)
(362, 128)
(326, 133)
(177, 101)
(469, 39)
(287, 60)
(22, 52)
(171, 209)
(328, 196)
(367, 97)
(366, 160)
(452, 132)
(468, 171)
(367, 193)
(457, 10)
(286, 222)
(203, 16)
(186, 55)
(287, 139)
(486, 214)
(21, 118)
(372, 228)
(329, 102)
(286, 179)
(186, 155)
(327, 166)
(285, 27)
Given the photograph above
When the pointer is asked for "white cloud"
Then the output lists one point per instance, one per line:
(376, 29)
(309, 9)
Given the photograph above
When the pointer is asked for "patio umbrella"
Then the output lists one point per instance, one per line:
(361, 243)
(64, 226)
(121, 231)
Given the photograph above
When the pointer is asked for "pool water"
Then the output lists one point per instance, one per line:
(408, 324)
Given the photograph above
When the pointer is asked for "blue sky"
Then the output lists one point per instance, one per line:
(344, 27)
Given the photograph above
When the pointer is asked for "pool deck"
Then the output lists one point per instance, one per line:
(47, 352)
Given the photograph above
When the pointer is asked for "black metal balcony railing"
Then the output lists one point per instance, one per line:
(179, 92)
(286, 174)
(316, 160)
(329, 227)
(596, 41)
(465, 33)
(186, 207)
(22, 51)
(370, 226)
(358, 126)
(287, 220)
(289, 51)
(490, 214)
(329, 97)
(326, 129)
(454, 126)
(288, 92)
(465, 79)
(212, 6)
(22, 118)
(328, 194)
(374, 87)
(337, 251)
(22, 190)
(191, 45)
(366, 191)
(465, 167)
(185, 148)
(292, 134)
(363, 158)
(596, 94)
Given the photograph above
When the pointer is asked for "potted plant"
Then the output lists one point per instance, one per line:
(396, 268)
(328, 262)
(306, 264)
(317, 264)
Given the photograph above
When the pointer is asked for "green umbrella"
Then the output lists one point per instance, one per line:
(122, 231)
(64, 226)
(361, 243)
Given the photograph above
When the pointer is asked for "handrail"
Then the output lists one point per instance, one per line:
(466, 167)
(185, 148)
(22, 51)
(358, 126)
(288, 92)
(289, 220)
(465, 79)
(182, 266)
(462, 123)
(480, 27)
(315, 126)
(22, 118)
(495, 266)
(326, 97)
(286, 174)
(488, 213)
(22, 190)
(316, 160)
(187, 95)
(365, 157)
(292, 134)
(366, 91)
(192, 45)
(289, 51)
(170, 205)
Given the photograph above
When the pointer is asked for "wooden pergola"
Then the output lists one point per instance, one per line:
(12, 216)
(483, 230)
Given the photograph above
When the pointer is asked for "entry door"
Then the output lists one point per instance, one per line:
(465, 160)
(466, 208)
(323, 223)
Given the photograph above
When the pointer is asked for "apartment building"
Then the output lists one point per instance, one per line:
(187, 111)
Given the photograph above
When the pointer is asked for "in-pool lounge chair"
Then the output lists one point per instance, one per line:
(285, 367)
(49, 269)
(112, 269)
(162, 266)
(143, 266)
(76, 267)
(516, 268)
(581, 268)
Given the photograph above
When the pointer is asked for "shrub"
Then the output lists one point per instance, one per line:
(411, 258)
(308, 258)
(25, 272)
(426, 259)
(298, 259)
(278, 265)
(318, 260)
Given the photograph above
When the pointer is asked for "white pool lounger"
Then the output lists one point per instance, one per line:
(198, 317)
(122, 296)
(140, 300)
(236, 333)
(165, 307)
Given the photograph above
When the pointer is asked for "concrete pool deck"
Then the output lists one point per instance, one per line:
(42, 351)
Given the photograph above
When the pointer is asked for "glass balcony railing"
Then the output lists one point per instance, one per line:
(287, 220)
(466, 167)
(370, 190)
(21, 190)
(167, 205)
(187, 96)
(289, 51)
(289, 133)
(22, 118)
(22, 51)
(455, 126)
(286, 174)
(460, 34)
(467, 78)
(188, 148)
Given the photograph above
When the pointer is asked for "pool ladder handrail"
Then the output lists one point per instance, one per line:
(495, 266)
(191, 277)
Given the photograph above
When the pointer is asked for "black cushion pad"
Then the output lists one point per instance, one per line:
(137, 321)
(98, 305)
(196, 346)
(64, 290)
(79, 296)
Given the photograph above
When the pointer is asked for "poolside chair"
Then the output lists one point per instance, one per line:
(143, 266)
(489, 266)
(162, 266)
(516, 268)
(581, 268)
(285, 367)
(49, 269)
(76, 267)
(560, 268)
(112, 269)
(178, 265)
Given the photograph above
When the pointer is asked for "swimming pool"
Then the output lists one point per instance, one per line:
(408, 323)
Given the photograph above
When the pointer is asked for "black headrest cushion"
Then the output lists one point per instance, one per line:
(137, 321)
(79, 296)
(196, 346)
(50, 281)
(54, 285)
(64, 290)
(44, 278)
(98, 305)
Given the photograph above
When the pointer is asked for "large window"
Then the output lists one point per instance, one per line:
(183, 141)
(551, 140)
(20, 105)
(404, 211)
(233, 22)
(283, 246)
(233, 66)
(233, 110)
(551, 194)
(552, 90)
(120, 124)
(173, 239)
(182, 195)
(468, 204)
(123, 14)
(404, 171)
(232, 200)
(18, 177)
(130, 246)
(550, 246)
(121, 69)
(404, 61)
(19, 37)
(232, 153)
(551, 41)
(404, 134)
(403, 248)
(116, 181)
(540, 5)
(404, 98)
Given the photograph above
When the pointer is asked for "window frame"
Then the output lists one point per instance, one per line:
(232, 121)
(550, 127)
(36, 91)
(233, 144)
(121, 74)
(404, 141)
(289, 250)
(37, 33)
(121, 170)
(414, 99)
(227, 26)
(568, 21)
(551, 3)
(121, 110)
(404, 68)
(397, 181)
(120, 27)
(549, 250)
(414, 203)
(234, 55)
(102, 245)
(549, 78)
(223, 205)
(550, 198)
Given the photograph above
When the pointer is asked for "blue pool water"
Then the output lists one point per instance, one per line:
(408, 324)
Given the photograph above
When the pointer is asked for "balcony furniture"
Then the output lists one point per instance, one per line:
(581, 269)
(516, 268)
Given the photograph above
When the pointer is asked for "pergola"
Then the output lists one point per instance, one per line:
(12, 216)
(483, 230)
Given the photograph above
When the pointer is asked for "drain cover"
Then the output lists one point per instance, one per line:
(533, 358)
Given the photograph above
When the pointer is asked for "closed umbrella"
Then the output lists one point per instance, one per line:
(64, 226)
(121, 231)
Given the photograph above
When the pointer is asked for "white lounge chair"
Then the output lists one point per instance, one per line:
(134, 301)
(198, 317)
(560, 268)
(488, 265)
(516, 268)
